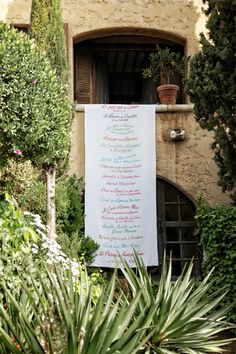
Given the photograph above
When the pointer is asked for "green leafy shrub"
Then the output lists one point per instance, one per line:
(33, 198)
(27, 185)
(46, 27)
(35, 114)
(17, 176)
(72, 218)
(216, 230)
(53, 316)
(164, 62)
(24, 246)
(16, 238)
(78, 246)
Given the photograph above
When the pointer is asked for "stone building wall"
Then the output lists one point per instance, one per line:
(183, 18)
(189, 163)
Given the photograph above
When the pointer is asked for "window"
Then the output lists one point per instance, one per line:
(109, 69)
(175, 215)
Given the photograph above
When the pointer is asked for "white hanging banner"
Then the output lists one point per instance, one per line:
(120, 182)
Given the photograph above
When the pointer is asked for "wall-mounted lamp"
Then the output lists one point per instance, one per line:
(177, 134)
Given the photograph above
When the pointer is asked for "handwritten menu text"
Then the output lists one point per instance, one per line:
(120, 182)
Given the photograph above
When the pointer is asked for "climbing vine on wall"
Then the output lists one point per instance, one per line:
(216, 229)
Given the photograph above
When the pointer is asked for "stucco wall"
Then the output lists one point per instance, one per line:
(189, 163)
(181, 17)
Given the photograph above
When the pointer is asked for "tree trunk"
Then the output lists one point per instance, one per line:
(51, 205)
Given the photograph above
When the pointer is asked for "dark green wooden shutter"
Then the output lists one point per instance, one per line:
(83, 76)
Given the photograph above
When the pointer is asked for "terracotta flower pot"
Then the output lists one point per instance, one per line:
(168, 93)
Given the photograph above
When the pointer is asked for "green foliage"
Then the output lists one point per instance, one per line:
(72, 217)
(183, 321)
(58, 317)
(70, 220)
(33, 198)
(16, 240)
(24, 246)
(20, 244)
(78, 246)
(34, 109)
(88, 249)
(216, 230)
(16, 177)
(14, 231)
(47, 30)
(164, 62)
(211, 86)
(27, 185)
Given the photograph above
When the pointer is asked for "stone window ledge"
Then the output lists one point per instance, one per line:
(159, 108)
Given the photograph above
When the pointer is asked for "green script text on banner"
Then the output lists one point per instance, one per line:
(120, 182)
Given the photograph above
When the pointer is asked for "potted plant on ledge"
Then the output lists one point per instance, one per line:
(163, 65)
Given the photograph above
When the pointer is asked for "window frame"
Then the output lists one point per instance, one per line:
(106, 44)
(163, 224)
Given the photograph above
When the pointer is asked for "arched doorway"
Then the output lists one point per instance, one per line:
(175, 224)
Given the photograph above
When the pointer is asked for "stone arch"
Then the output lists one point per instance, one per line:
(177, 186)
(129, 31)
(101, 55)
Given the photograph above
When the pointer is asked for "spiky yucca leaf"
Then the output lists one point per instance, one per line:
(55, 318)
(186, 320)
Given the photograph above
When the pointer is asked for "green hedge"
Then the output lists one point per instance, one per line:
(216, 230)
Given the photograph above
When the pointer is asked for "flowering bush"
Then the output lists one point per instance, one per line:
(24, 246)
(26, 184)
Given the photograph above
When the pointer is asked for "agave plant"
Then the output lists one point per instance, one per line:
(186, 319)
(57, 315)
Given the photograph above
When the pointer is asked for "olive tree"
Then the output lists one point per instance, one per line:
(34, 109)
